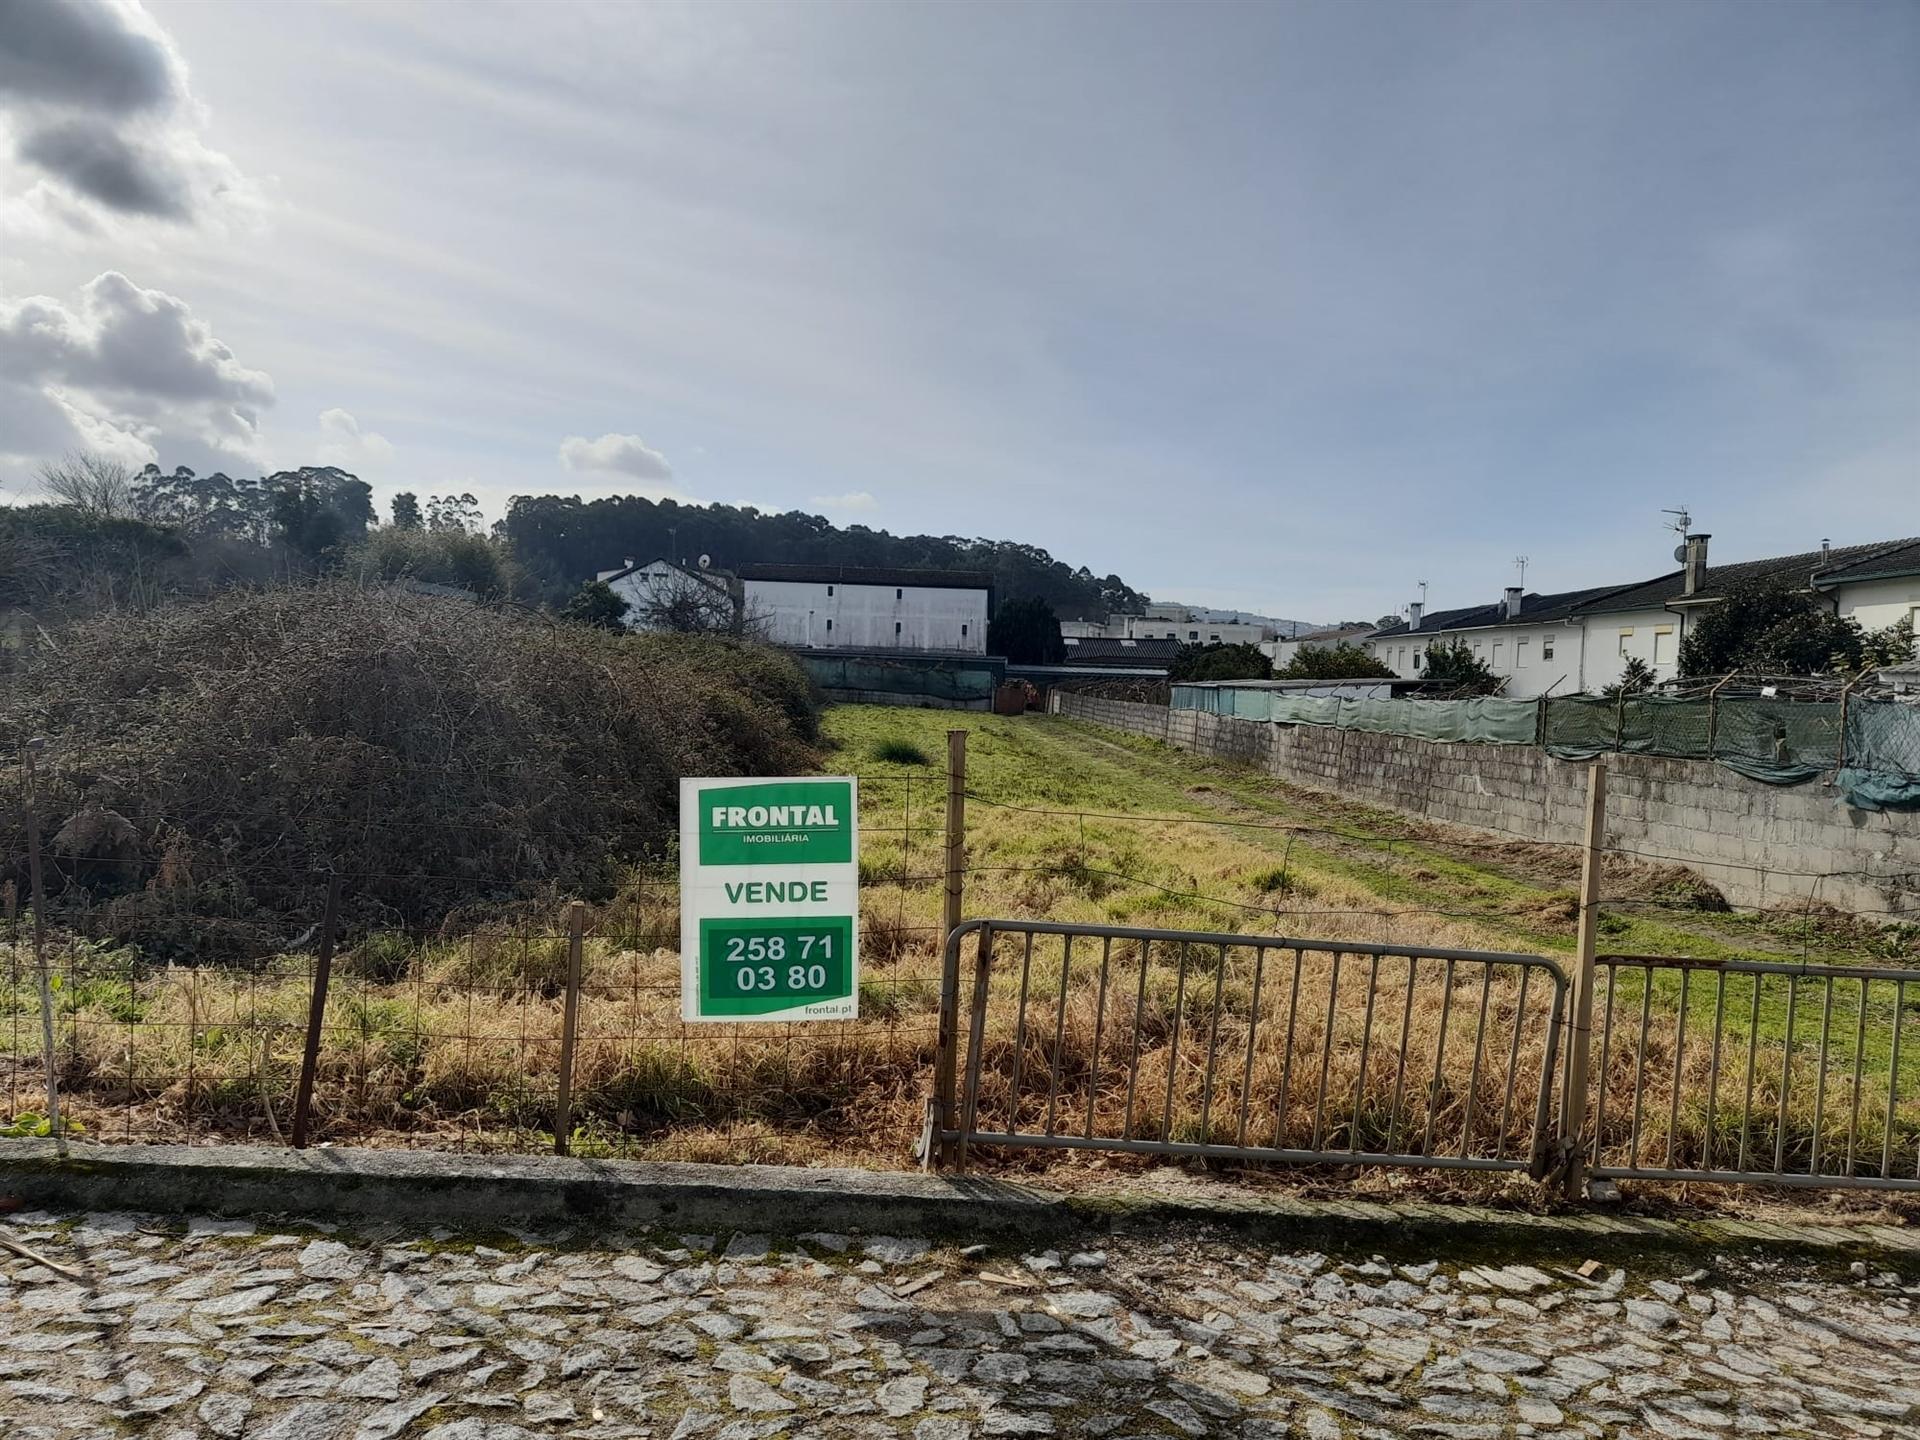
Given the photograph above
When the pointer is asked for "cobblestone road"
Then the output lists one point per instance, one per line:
(213, 1330)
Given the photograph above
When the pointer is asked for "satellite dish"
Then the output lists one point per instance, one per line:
(1680, 552)
(706, 561)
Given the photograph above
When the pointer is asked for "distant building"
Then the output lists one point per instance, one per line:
(845, 607)
(662, 595)
(1281, 652)
(1582, 640)
(1186, 624)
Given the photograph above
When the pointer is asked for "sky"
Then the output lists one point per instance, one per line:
(1284, 307)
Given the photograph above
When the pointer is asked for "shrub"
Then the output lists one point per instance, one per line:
(437, 753)
(896, 751)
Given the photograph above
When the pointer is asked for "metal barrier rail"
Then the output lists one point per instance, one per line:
(1249, 1047)
(1721, 1075)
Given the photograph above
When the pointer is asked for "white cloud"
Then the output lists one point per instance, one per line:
(852, 500)
(344, 443)
(126, 370)
(94, 97)
(616, 454)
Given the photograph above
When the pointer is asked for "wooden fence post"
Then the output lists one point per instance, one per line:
(316, 1013)
(1573, 1098)
(569, 1026)
(935, 1151)
(37, 882)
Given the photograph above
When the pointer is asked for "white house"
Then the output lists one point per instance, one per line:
(1582, 640)
(703, 599)
(1281, 652)
(845, 607)
(1877, 590)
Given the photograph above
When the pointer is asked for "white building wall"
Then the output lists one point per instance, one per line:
(1533, 658)
(1877, 604)
(1650, 635)
(822, 615)
(654, 582)
(1193, 632)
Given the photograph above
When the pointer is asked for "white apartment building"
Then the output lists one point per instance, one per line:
(1581, 640)
(845, 607)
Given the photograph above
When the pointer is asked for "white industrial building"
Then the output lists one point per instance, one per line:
(844, 607)
(1166, 621)
(1581, 640)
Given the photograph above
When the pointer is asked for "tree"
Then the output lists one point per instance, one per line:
(1454, 662)
(1027, 632)
(96, 485)
(1890, 645)
(561, 538)
(204, 505)
(1220, 662)
(406, 511)
(481, 566)
(596, 604)
(1636, 677)
(1778, 629)
(319, 512)
(453, 512)
(1345, 661)
(680, 602)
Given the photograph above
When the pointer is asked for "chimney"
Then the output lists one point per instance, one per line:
(1696, 566)
(1413, 615)
(1510, 607)
(1826, 553)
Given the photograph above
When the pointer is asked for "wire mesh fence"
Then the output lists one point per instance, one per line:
(453, 1036)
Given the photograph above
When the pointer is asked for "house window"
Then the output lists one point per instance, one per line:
(1663, 645)
(963, 630)
(1520, 654)
(829, 592)
(829, 627)
(1476, 647)
(1496, 653)
(1625, 636)
(1213, 637)
(899, 594)
(896, 627)
(1546, 647)
(1403, 657)
(1419, 657)
(1193, 634)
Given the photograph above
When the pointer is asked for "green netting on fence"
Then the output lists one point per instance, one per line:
(1776, 740)
(1579, 727)
(1883, 756)
(1484, 721)
(1657, 725)
(1779, 741)
(928, 678)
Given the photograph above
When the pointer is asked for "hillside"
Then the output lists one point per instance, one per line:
(563, 540)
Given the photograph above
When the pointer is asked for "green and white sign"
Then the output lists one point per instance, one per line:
(769, 899)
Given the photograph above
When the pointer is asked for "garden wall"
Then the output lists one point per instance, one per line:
(1760, 844)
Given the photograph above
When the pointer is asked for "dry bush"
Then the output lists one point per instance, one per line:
(207, 761)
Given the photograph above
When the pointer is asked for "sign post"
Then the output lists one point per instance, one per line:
(769, 899)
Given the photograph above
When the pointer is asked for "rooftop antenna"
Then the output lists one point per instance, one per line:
(1423, 596)
(1520, 564)
(1679, 524)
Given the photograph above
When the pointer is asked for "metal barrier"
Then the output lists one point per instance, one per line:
(1710, 1070)
(1246, 1047)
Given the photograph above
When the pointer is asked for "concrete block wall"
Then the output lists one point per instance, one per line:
(1760, 844)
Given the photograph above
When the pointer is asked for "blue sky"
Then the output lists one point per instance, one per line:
(1284, 307)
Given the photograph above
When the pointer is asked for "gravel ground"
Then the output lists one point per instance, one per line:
(220, 1331)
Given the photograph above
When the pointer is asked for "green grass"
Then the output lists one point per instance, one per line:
(1067, 778)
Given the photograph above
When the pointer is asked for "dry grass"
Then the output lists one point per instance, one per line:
(455, 1039)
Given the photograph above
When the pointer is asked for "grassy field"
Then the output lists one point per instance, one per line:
(453, 1039)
